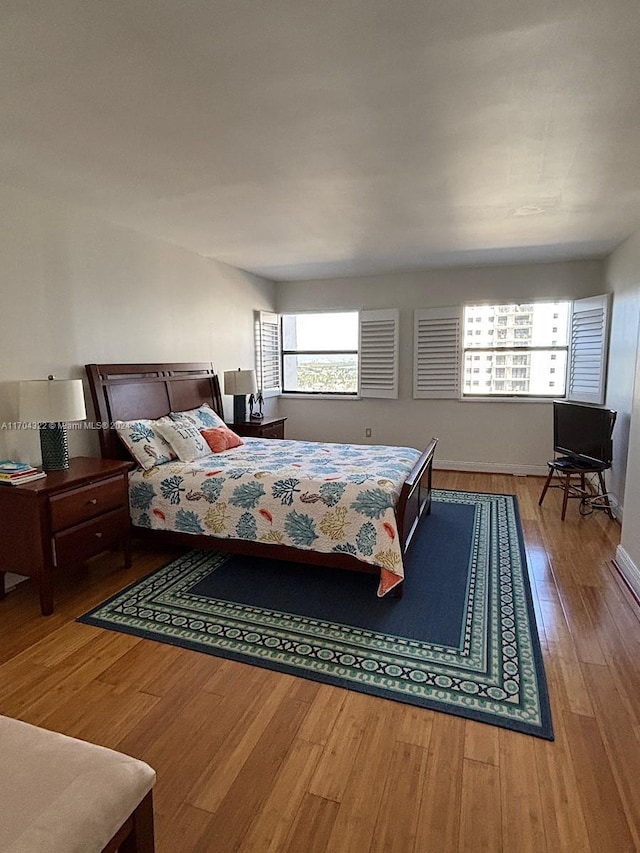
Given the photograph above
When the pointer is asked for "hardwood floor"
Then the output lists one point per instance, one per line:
(252, 760)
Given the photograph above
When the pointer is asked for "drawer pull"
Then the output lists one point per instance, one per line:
(93, 501)
(98, 535)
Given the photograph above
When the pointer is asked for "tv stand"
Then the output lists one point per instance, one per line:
(565, 462)
(568, 470)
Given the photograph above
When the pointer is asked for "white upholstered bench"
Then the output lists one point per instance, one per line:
(62, 795)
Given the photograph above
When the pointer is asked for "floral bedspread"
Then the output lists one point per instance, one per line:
(311, 495)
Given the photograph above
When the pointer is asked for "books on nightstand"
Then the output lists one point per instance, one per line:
(17, 473)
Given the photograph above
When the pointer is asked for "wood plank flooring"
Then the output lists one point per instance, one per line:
(252, 760)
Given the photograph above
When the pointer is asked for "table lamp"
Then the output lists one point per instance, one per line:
(51, 403)
(239, 383)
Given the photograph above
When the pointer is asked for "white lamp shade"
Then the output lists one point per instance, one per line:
(52, 400)
(238, 382)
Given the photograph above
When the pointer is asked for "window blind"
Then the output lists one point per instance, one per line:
(436, 353)
(588, 351)
(378, 348)
(268, 354)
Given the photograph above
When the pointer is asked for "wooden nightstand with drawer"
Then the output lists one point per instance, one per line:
(266, 428)
(58, 522)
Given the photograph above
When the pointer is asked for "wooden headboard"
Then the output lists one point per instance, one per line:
(126, 392)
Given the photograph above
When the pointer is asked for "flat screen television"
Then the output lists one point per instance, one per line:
(583, 433)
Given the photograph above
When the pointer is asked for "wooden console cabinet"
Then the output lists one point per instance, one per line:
(60, 521)
(266, 428)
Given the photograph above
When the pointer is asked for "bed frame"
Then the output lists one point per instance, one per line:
(130, 391)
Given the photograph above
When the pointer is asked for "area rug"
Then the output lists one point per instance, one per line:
(461, 640)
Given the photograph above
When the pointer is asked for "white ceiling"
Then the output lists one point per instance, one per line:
(307, 138)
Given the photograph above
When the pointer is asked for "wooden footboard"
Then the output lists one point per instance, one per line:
(415, 497)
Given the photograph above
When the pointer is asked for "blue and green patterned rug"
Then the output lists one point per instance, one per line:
(462, 640)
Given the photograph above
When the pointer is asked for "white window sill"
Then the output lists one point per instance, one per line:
(338, 397)
(506, 399)
(349, 398)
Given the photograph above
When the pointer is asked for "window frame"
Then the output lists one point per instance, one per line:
(513, 395)
(349, 395)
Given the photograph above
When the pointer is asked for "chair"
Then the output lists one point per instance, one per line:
(567, 471)
(62, 795)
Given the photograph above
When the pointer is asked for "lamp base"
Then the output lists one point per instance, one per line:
(54, 447)
(239, 408)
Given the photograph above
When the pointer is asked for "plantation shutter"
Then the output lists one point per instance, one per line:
(588, 350)
(268, 354)
(436, 352)
(378, 350)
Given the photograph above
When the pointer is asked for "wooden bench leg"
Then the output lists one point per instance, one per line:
(546, 486)
(605, 496)
(141, 839)
(567, 485)
(139, 829)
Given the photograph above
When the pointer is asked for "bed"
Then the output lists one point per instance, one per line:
(298, 512)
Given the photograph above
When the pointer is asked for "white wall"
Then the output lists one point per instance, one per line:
(75, 290)
(623, 276)
(623, 279)
(490, 436)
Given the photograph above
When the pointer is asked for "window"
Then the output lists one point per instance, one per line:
(345, 353)
(525, 345)
(522, 334)
(527, 360)
(320, 353)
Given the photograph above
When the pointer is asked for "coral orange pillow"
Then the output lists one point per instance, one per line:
(221, 438)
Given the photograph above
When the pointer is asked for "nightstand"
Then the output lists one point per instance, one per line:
(266, 428)
(60, 521)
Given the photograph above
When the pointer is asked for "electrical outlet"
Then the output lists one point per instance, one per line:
(367, 432)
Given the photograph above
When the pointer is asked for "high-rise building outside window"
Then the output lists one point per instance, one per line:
(532, 340)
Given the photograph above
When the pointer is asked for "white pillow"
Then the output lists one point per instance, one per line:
(184, 437)
(202, 418)
(144, 442)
